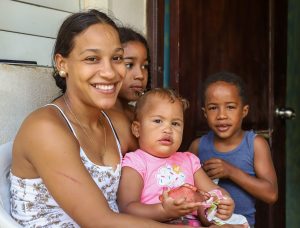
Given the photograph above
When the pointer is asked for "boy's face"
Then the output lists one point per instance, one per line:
(224, 109)
(160, 127)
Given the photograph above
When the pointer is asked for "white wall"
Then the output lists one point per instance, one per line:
(27, 32)
(129, 12)
(28, 28)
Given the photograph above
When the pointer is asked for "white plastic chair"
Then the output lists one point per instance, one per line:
(6, 220)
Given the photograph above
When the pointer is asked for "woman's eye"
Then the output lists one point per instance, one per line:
(129, 65)
(91, 59)
(231, 107)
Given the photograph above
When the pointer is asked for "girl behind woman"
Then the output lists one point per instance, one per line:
(137, 60)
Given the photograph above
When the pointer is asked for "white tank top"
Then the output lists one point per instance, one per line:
(33, 206)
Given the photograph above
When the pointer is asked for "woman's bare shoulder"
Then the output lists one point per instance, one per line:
(41, 137)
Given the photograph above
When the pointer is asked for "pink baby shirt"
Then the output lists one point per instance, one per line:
(160, 174)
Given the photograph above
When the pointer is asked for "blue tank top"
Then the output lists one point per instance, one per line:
(241, 157)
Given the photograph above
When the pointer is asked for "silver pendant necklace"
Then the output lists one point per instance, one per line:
(91, 139)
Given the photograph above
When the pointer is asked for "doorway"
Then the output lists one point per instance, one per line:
(248, 38)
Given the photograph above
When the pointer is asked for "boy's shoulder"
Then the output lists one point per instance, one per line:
(193, 148)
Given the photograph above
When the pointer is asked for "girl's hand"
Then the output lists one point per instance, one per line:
(225, 208)
(175, 208)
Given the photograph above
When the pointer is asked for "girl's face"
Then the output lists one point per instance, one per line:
(95, 67)
(160, 127)
(136, 62)
(224, 109)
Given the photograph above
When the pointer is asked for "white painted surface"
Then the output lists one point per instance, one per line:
(22, 90)
(30, 19)
(28, 28)
(24, 47)
(130, 12)
(27, 32)
(65, 5)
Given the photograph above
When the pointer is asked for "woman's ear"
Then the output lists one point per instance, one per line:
(245, 110)
(135, 128)
(60, 63)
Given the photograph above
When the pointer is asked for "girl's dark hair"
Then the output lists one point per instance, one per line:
(229, 78)
(70, 28)
(128, 34)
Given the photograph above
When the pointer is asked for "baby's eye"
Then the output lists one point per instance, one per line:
(157, 121)
(176, 124)
(129, 65)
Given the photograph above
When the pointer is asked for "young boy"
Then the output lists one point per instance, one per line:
(240, 160)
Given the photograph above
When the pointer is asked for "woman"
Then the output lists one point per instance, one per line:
(66, 151)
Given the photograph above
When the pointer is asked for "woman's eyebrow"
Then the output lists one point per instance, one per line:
(96, 50)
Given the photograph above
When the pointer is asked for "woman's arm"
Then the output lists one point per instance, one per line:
(129, 196)
(52, 153)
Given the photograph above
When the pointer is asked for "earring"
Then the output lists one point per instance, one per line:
(62, 73)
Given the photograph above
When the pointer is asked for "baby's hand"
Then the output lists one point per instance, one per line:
(175, 208)
(225, 208)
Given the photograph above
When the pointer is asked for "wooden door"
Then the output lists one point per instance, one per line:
(244, 37)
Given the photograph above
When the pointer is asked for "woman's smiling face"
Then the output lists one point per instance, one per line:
(95, 66)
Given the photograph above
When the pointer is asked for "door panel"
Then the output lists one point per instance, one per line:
(244, 37)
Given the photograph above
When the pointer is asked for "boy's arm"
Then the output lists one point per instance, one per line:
(129, 196)
(263, 186)
(194, 146)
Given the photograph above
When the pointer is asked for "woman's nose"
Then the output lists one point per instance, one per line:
(106, 69)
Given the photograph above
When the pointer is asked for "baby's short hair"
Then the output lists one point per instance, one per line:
(172, 95)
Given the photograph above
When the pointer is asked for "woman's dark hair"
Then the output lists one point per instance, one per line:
(71, 27)
(128, 34)
(229, 78)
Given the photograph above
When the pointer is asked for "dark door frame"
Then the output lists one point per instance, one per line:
(277, 75)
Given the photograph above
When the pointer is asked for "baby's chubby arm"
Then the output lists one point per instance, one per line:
(225, 206)
(129, 195)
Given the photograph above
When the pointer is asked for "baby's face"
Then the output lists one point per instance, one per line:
(160, 126)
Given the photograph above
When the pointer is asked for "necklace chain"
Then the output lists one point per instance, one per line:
(91, 139)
